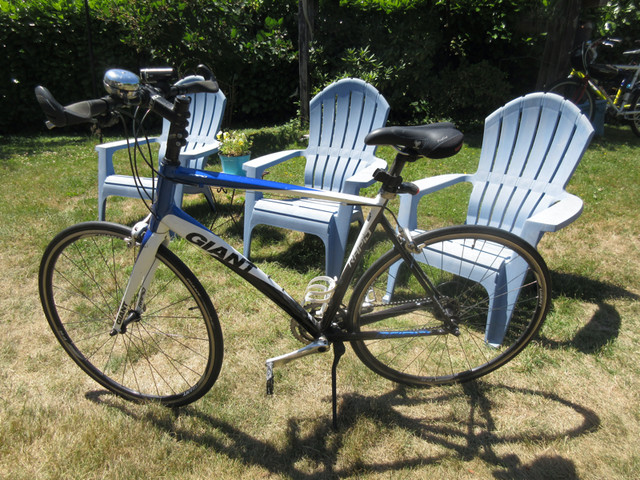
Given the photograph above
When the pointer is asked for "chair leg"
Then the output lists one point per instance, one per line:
(504, 292)
(208, 195)
(247, 241)
(334, 256)
(391, 281)
(102, 205)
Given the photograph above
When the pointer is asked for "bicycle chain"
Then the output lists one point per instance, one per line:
(303, 336)
(417, 300)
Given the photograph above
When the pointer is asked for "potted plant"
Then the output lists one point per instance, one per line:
(235, 149)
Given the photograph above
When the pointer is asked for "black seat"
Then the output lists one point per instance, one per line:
(437, 140)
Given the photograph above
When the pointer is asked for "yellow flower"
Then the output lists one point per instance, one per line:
(234, 143)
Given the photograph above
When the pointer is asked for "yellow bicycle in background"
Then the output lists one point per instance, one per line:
(588, 82)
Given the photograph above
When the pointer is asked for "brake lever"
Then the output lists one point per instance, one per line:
(200, 86)
(205, 72)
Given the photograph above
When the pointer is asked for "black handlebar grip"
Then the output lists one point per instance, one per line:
(88, 109)
(200, 86)
(206, 72)
(75, 114)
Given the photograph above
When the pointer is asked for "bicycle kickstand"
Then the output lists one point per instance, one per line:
(338, 351)
(318, 346)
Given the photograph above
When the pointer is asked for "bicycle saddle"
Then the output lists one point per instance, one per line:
(437, 140)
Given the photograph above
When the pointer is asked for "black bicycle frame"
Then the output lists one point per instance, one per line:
(166, 216)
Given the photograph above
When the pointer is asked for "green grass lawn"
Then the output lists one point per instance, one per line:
(567, 407)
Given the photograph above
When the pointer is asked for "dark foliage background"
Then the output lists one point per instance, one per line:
(432, 59)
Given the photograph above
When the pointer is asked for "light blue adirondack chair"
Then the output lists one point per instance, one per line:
(207, 110)
(337, 160)
(531, 147)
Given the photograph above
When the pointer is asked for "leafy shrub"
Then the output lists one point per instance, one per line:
(246, 43)
(46, 43)
(408, 49)
(432, 60)
(273, 139)
(468, 93)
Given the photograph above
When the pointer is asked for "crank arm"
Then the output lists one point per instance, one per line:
(320, 345)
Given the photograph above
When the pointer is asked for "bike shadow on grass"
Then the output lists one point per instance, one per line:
(471, 433)
(604, 325)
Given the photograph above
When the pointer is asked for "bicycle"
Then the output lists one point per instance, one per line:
(588, 81)
(133, 316)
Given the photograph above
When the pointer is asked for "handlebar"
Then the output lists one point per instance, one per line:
(126, 89)
(74, 114)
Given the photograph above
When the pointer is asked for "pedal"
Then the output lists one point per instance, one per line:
(269, 378)
(320, 345)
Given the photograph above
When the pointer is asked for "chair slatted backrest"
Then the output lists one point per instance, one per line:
(206, 111)
(340, 118)
(531, 147)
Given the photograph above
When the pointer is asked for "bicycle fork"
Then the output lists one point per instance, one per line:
(141, 276)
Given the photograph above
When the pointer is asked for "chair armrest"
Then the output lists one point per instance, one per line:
(110, 147)
(552, 219)
(255, 168)
(106, 151)
(433, 184)
(202, 151)
(364, 177)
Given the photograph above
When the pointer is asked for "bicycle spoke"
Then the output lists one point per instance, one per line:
(467, 267)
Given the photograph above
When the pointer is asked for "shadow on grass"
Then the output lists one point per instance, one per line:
(472, 434)
(36, 144)
(616, 136)
(605, 323)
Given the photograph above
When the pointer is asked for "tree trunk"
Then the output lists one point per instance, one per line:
(306, 16)
(561, 33)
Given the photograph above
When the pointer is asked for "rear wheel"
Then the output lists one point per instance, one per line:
(577, 92)
(481, 275)
(635, 120)
(172, 353)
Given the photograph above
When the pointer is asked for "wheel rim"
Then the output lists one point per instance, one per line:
(165, 356)
(444, 358)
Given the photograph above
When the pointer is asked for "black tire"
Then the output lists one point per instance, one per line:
(577, 92)
(445, 358)
(635, 121)
(172, 355)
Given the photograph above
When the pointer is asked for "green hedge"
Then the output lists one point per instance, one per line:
(46, 43)
(431, 59)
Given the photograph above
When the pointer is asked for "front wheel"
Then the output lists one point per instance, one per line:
(172, 353)
(489, 295)
(577, 92)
